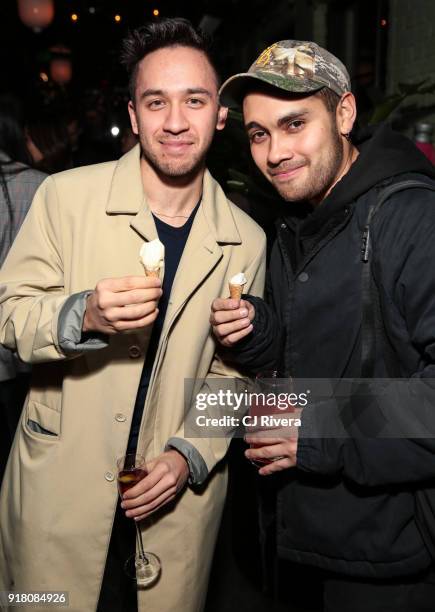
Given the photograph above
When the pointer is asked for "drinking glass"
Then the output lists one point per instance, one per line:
(144, 567)
(270, 386)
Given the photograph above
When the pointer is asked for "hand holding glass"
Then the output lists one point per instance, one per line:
(270, 387)
(144, 567)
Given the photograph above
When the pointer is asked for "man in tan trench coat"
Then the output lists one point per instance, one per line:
(71, 286)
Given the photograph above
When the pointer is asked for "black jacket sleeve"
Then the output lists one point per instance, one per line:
(259, 350)
(402, 451)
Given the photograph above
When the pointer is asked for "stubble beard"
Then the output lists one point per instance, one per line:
(320, 178)
(176, 168)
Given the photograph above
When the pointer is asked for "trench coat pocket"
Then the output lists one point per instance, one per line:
(42, 422)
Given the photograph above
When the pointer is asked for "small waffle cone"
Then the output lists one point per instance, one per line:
(235, 291)
(152, 273)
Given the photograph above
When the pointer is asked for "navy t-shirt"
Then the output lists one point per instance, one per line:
(174, 240)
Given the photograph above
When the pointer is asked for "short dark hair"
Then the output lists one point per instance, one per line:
(170, 32)
(330, 99)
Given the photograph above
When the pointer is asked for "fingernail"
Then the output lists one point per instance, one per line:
(122, 505)
(244, 312)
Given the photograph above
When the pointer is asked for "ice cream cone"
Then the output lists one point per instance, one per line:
(152, 255)
(235, 291)
(152, 273)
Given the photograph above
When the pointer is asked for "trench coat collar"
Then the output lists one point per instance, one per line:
(126, 196)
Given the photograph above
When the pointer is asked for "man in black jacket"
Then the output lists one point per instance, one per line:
(346, 503)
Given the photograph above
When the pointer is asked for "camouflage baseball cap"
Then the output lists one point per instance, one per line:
(292, 65)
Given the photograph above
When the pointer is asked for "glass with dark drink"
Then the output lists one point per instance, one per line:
(270, 401)
(144, 567)
(128, 478)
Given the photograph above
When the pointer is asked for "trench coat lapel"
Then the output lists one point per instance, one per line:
(213, 226)
(127, 196)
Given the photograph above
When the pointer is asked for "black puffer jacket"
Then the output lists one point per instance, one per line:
(350, 504)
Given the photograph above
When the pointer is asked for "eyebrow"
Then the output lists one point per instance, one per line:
(281, 121)
(251, 125)
(292, 116)
(199, 90)
(190, 91)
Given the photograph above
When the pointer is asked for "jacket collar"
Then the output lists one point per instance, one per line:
(126, 196)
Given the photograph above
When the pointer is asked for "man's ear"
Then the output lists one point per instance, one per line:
(346, 113)
(133, 119)
(222, 117)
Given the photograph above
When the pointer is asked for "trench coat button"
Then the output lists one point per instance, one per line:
(303, 277)
(109, 476)
(283, 225)
(134, 351)
(120, 417)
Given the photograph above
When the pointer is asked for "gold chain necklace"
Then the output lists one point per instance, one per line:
(160, 214)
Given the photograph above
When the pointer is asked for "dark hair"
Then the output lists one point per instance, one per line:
(330, 99)
(175, 32)
(51, 137)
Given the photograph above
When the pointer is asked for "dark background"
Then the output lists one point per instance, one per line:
(240, 28)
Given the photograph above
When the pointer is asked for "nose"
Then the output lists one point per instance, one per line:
(278, 150)
(175, 120)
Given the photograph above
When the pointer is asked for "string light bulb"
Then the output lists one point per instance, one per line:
(74, 17)
(117, 18)
(156, 12)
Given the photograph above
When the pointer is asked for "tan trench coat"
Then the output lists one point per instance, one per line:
(59, 493)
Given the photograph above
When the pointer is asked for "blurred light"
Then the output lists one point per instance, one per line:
(117, 18)
(156, 12)
(61, 70)
(114, 130)
(383, 23)
(36, 14)
(43, 76)
(74, 17)
(92, 10)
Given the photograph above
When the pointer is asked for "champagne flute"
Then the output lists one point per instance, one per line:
(144, 567)
(269, 384)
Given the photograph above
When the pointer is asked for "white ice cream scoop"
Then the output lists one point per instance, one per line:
(152, 256)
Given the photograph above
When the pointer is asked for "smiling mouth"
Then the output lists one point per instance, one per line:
(284, 175)
(175, 143)
(176, 148)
